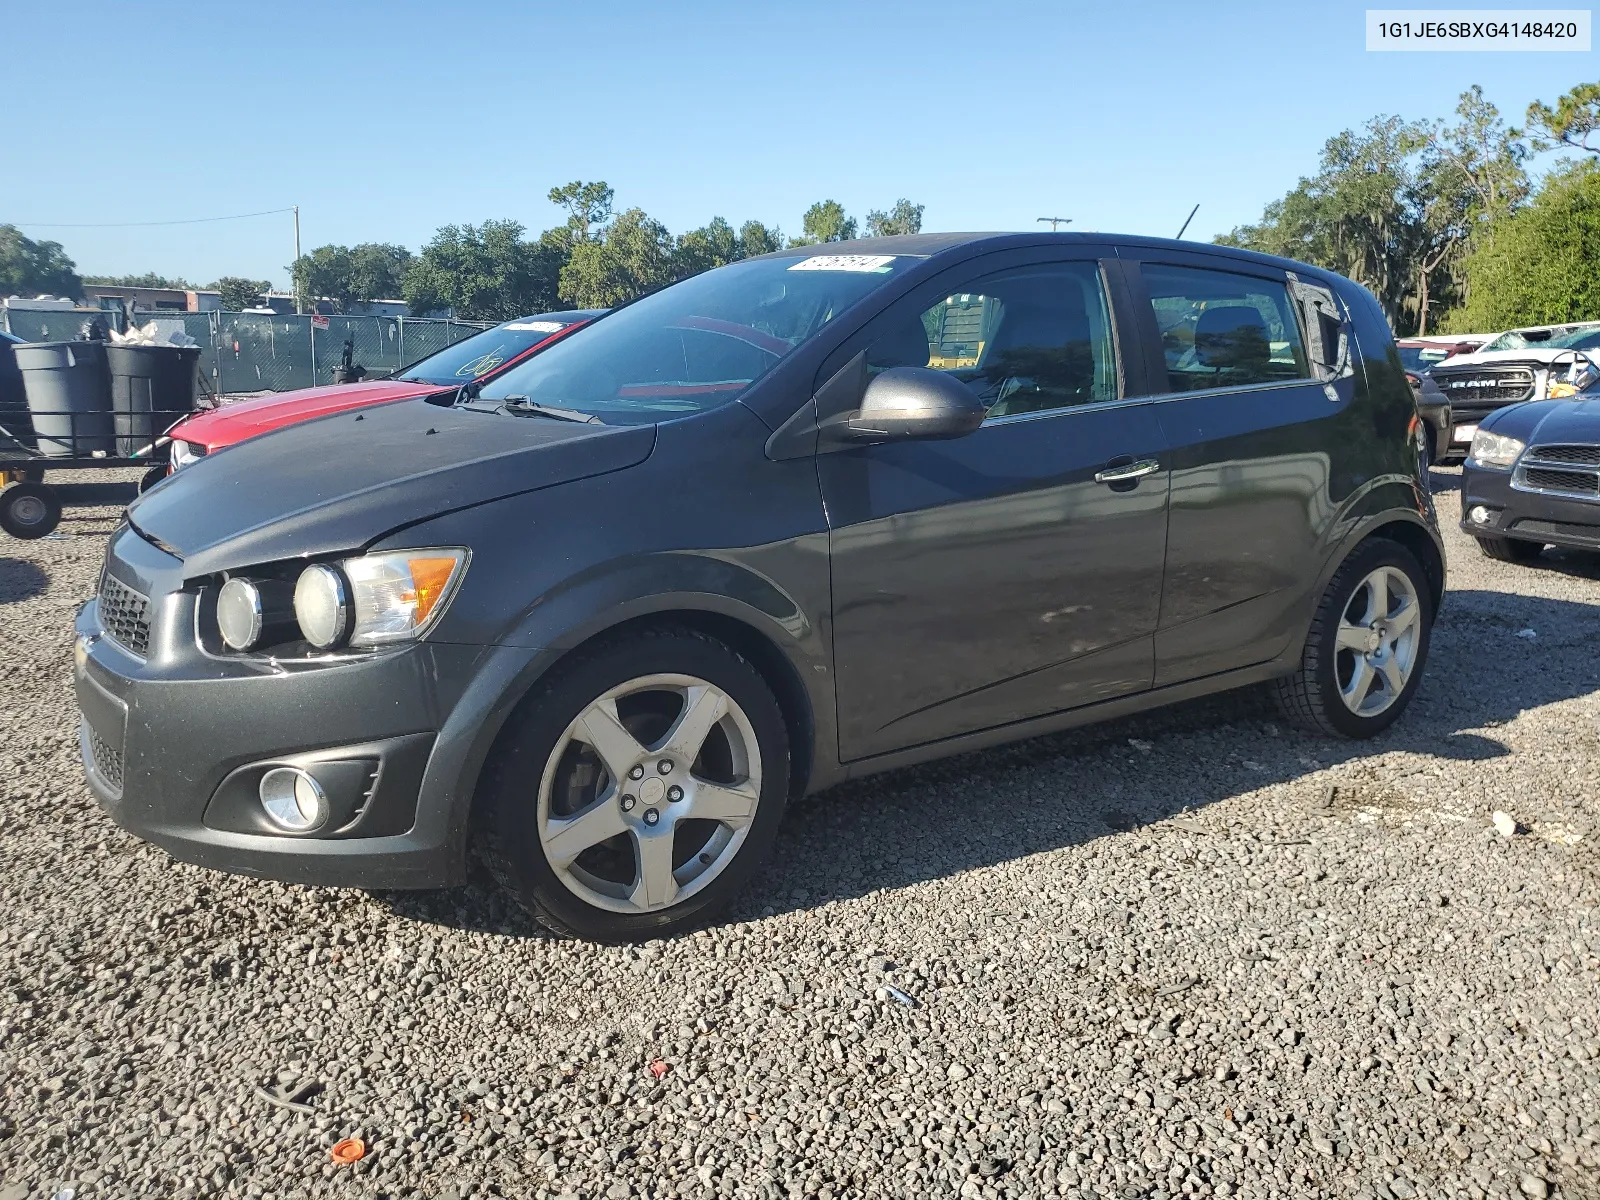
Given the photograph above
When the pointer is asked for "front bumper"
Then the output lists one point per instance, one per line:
(1530, 516)
(175, 740)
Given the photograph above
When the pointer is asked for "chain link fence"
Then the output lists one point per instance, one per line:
(253, 352)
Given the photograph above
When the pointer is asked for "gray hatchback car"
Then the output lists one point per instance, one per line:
(804, 517)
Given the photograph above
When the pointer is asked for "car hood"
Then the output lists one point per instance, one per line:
(1553, 421)
(340, 483)
(247, 418)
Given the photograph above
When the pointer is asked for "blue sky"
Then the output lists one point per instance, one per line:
(385, 121)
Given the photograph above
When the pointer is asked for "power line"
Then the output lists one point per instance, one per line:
(142, 224)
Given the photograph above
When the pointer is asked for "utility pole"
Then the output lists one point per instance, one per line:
(1054, 221)
(294, 277)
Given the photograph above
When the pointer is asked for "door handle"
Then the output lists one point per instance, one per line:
(1128, 472)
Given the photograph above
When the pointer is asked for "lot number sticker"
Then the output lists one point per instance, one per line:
(536, 326)
(844, 262)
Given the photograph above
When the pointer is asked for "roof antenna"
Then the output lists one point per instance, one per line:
(1186, 221)
(1054, 221)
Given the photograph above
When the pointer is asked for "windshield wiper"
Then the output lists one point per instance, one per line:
(521, 406)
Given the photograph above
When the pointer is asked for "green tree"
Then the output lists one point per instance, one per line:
(486, 272)
(632, 255)
(148, 280)
(825, 221)
(904, 217)
(324, 274)
(378, 271)
(588, 206)
(1539, 265)
(755, 238)
(30, 268)
(715, 244)
(238, 293)
(1573, 121)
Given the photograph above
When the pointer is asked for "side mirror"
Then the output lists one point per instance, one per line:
(914, 402)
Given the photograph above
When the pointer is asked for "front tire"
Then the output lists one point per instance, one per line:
(1366, 648)
(634, 792)
(29, 510)
(1511, 550)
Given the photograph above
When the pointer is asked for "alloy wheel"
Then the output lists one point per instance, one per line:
(649, 793)
(1376, 643)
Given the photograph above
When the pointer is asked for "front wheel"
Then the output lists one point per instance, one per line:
(1512, 550)
(636, 791)
(1364, 654)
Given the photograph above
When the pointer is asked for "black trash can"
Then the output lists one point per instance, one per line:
(152, 388)
(16, 426)
(69, 396)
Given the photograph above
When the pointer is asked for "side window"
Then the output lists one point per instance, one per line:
(1224, 330)
(1025, 340)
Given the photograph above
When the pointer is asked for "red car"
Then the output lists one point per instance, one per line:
(476, 359)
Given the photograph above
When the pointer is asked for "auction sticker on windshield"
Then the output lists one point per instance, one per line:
(537, 326)
(844, 262)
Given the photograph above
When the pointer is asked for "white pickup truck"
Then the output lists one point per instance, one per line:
(1538, 363)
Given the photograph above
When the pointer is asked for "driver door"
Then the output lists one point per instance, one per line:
(1014, 572)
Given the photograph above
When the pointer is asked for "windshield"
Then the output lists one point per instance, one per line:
(698, 344)
(1576, 339)
(476, 356)
(1420, 358)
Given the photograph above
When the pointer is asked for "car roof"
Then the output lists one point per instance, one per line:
(933, 244)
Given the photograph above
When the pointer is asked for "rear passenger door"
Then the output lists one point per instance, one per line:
(1251, 391)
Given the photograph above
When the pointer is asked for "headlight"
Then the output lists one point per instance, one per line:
(184, 453)
(249, 610)
(1494, 450)
(376, 598)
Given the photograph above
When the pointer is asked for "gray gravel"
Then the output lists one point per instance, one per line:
(1194, 953)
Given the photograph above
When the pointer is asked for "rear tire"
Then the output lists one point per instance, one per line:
(1365, 652)
(1511, 550)
(634, 792)
(29, 510)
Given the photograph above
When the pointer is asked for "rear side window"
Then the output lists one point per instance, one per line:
(1028, 340)
(1222, 330)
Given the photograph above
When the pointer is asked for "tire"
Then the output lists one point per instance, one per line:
(29, 510)
(1314, 697)
(548, 792)
(1511, 550)
(152, 477)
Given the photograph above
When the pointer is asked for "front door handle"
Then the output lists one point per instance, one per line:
(1128, 472)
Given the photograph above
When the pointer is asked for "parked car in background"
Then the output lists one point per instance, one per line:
(1518, 365)
(1533, 478)
(807, 516)
(1424, 353)
(473, 360)
(1434, 438)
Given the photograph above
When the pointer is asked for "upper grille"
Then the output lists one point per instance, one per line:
(125, 615)
(1490, 385)
(1580, 482)
(1566, 454)
(107, 760)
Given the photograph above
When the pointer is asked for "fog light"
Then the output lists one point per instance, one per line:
(293, 799)
(1480, 515)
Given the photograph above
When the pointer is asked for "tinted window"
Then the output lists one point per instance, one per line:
(700, 343)
(1224, 330)
(1024, 341)
(1420, 358)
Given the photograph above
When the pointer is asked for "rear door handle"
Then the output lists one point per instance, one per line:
(1128, 472)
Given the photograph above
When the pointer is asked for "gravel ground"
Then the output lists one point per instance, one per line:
(1192, 953)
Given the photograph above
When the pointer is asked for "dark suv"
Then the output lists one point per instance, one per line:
(798, 519)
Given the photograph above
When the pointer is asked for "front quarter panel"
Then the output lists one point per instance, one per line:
(707, 526)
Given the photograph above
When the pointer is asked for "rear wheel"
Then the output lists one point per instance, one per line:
(634, 793)
(1366, 647)
(1512, 550)
(29, 510)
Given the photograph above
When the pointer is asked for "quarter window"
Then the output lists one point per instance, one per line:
(1028, 340)
(1224, 330)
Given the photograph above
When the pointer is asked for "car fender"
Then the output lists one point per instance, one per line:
(1383, 501)
(698, 587)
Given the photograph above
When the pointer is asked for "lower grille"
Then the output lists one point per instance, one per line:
(1557, 529)
(107, 760)
(125, 615)
(1580, 483)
